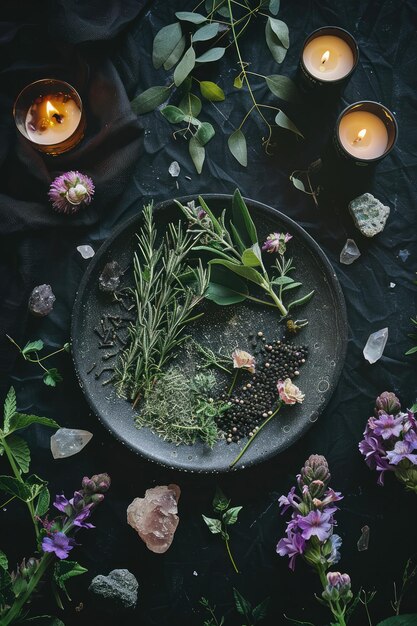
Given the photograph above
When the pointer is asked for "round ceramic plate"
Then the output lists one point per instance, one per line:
(225, 327)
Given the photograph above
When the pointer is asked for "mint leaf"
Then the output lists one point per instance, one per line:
(26, 491)
(20, 451)
(52, 377)
(220, 501)
(214, 525)
(4, 563)
(64, 570)
(9, 408)
(230, 517)
(243, 606)
(42, 503)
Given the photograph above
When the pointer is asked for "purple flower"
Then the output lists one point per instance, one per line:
(289, 501)
(329, 497)
(276, 242)
(388, 426)
(79, 519)
(58, 543)
(316, 523)
(70, 192)
(290, 546)
(371, 450)
(338, 580)
(62, 504)
(335, 543)
(387, 402)
(411, 437)
(402, 450)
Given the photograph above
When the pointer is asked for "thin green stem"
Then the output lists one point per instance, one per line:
(277, 301)
(337, 611)
(230, 555)
(255, 434)
(7, 501)
(263, 302)
(232, 386)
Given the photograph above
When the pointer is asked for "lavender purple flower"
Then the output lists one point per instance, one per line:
(70, 192)
(58, 543)
(276, 242)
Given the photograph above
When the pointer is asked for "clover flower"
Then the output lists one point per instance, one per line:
(289, 393)
(276, 242)
(70, 192)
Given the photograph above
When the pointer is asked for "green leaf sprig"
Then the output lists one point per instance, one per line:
(228, 517)
(30, 352)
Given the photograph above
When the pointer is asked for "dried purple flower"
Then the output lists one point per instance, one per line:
(58, 543)
(70, 192)
(276, 242)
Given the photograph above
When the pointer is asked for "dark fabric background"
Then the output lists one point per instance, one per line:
(110, 63)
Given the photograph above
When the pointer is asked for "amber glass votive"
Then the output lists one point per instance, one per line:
(49, 114)
(365, 132)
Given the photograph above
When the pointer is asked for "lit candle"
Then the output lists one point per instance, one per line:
(366, 131)
(49, 114)
(329, 56)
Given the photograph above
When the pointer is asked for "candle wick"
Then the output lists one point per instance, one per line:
(58, 117)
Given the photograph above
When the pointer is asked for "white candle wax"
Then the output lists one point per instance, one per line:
(52, 120)
(363, 134)
(328, 57)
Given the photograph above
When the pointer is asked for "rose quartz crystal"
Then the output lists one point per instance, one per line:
(155, 518)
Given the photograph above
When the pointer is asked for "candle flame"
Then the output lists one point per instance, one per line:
(325, 57)
(361, 135)
(50, 109)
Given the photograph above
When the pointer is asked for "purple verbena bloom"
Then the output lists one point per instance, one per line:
(289, 501)
(371, 449)
(411, 437)
(290, 546)
(276, 242)
(62, 504)
(388, 426)
(316, 523)
(70, 192)
(402, 450)
(79, 519)
(58, 543)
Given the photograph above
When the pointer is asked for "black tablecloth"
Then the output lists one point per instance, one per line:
(105, 51)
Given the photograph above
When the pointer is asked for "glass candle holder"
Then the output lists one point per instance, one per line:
(329, 58)
(49, 114)
(365, 132)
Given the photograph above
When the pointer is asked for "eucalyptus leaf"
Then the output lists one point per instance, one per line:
(211, 91)
(280, 30)
(190, 104)
(33, 346)
(205, 133)
(184, 67)
(192, 120)
(214, 54)
(284, 121)
(188, 16)
(283, 87)
(301, 301)
(174, 115)
(197, 153)
(214, 525)
(206, 32)
(165, 42)
(20, 451)
(298, 184)
(9, 408)
(274, 6)
(149, 99)
(245, 272)
(176, 54)
(275, 46)
(230, 516)
(237, 146)
(243, 221)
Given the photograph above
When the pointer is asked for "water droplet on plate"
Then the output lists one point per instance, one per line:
(323, 386)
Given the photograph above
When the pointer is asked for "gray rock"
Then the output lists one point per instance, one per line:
(118, 590)
(369, 214)
(41, 300)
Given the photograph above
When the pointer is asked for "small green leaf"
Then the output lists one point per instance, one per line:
(188, 16)
(9, 408)
(211, 91)
(400, 620)
(245, 272)
(243, 606)
(26, 491)
(250, 258)
(197, 153)
(283, 87)
(214, 54)
(21, 420)
(150, 99)
(230, 517)
(6, 588)
(19, 586)
(164, 43)
(298, 184)
(52, 377)
(20, 451)
(293, 285)
(301, 301)
(224, 296)
(42, 503)
(4, 563)
(260, 612)
(215, 251)
(184, 67)
(243, 221)
(214, 525)
(237, 238)
(176, 54)
(205, 133)
(190, 105)
(411, 351)
(414, 408)
(280, 30)
(238, 82)
(237, 146)
(174, 115)
(64, 570)
(277, 49)
(282, 280)
(284, 121)
(274, 6)
(220, 502)
(206, 32)
(32, 346)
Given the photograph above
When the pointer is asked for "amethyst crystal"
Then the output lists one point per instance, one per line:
(41, 300)
(109, 279)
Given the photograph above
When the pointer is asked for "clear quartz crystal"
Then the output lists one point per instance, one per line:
(363, 542)
(375, 345)
(174, 169)
(68, 441)
(86, 251)
(349, 253)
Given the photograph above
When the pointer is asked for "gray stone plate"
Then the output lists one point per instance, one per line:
(227, 327)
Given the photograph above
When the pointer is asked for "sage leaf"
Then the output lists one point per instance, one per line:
(188, 16)
(283, 87)
(237, 146)
(274, 6)
(280, 30)
(206, 32)
(214, 525)
(245, 272)
(52, 377)
(260, 612)
(176, 54)
(9, 408)
(301, 301)
(249, 258)
(64, 570)
(20, 451)
(293, 285)
(174, 115)
(205, 133)
(297, 183)
(220, 501)
(214, 54)
(214, 251)
(238, 82)
(243, 220)
(284, 121)
(237, 239)
(243, 606)
(275, 46)
(190, 105)
(215, 221)
(230, 517)
(225, 296)
(42, 503)
(21, 420)
(282, 280)
(411, 351)
(149, 99)
(32, 346)
(211, 91)
(197, 153)
(165, 42)
(184, 67)
(4, 563)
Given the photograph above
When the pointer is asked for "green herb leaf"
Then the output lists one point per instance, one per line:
(4, 563)
(237, 146)
(283, 87)
(260, 612)
(225, 288)
(245, 272)
(211, 91)
(20, 451)
(238, 82)
(220, 502)
(274, 6)
(206, 32)
(176, 54)
(26, 491)
(285, 122)
(215, 221)
(174, 115)
(301, 301)
(237, 238)
(6, 588)
(42, 503)
(52, 377)
(21, 420)
(400, 620)
(243, 606)
(280, 30)
(205, 133)
(411, 351)
(282, 280)
(293, 285)
(64, 570)
(9, 408)
(243, 221)
(188, 16)
(215, 251)
(275, 45)
(214, 525)
(190, 105)
(164, 43)
(32, 346)
(230, 517)
(197, 153)
(298, 184)
(251, 257)
(44, 620)
(214, 54)
(184, 67)
(150, 99)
